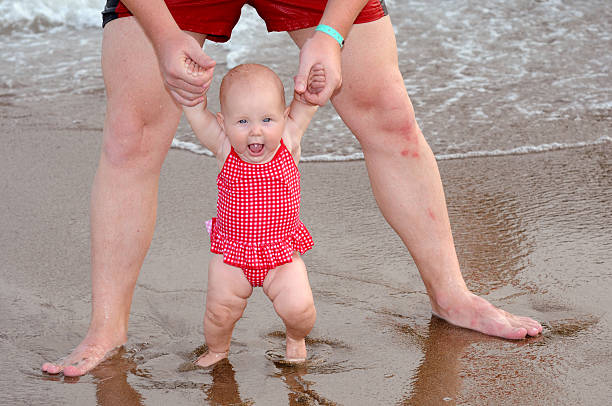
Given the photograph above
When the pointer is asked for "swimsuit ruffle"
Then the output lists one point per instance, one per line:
(260, 256)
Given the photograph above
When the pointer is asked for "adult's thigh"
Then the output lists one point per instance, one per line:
(372, 101)
(141, 116)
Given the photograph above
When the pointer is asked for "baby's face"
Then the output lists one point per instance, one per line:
(253, 117)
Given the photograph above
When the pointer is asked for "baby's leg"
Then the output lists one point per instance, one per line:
(288, 288)
(226, 299)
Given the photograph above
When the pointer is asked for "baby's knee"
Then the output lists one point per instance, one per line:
(223, 314)
(299, 312)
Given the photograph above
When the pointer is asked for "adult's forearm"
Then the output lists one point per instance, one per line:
(340, 14)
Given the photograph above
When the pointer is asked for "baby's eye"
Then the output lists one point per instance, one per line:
(242, 121)
(267, 120)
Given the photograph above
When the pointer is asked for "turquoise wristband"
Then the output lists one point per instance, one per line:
(331, 32)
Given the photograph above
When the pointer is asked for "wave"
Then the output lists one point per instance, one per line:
(357, 156)
(525, 149)
(191, 147)
(42, 15)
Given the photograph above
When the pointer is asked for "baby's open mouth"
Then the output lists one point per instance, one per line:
(255, 148)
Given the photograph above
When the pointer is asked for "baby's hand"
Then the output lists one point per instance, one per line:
(316, 79)
(195, 70)
(315, 83)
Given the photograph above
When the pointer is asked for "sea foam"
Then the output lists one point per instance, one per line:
(40, 15)
(357, 156)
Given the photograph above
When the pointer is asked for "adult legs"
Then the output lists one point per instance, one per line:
(226, 298)
(374, 104)
(288, 288)
(141, 119)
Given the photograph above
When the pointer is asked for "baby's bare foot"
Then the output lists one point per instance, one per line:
(296, 350)
(473, 312)
(83, 359)
(210, 358)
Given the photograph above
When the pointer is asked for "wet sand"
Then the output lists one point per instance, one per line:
(532, 232)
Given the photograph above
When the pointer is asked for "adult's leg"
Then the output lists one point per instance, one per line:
(288, 288)
(374, 104)
(226, 298)
(141, 119)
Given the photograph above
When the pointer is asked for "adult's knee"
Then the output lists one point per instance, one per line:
(123, 142)
(130, 143)
(383, 118)
(397, 132)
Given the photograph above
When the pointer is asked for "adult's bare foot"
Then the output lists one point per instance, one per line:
(92, 351)
(473, 312)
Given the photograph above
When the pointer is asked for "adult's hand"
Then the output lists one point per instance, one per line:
(324, 50)
(174, 55)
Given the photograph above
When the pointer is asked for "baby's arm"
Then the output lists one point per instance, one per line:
(300, 110)
(205, 126)
(203, 122)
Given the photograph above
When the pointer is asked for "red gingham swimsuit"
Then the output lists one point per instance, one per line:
(258, 225)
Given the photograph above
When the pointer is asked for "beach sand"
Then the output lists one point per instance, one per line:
(532, 233)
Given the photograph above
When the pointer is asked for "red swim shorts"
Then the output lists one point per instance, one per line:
(217, 18)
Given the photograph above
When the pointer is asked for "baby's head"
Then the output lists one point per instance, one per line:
(253, 111)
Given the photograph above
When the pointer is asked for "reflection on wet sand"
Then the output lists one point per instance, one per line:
(112, 387)
(224, 388)
(451, 354)
(111, 378)
(437, 380)
(300, 389)
(491, 238)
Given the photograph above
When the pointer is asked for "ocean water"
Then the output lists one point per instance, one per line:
(486, 77)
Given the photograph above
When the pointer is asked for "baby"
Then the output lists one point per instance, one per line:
(257, 236)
